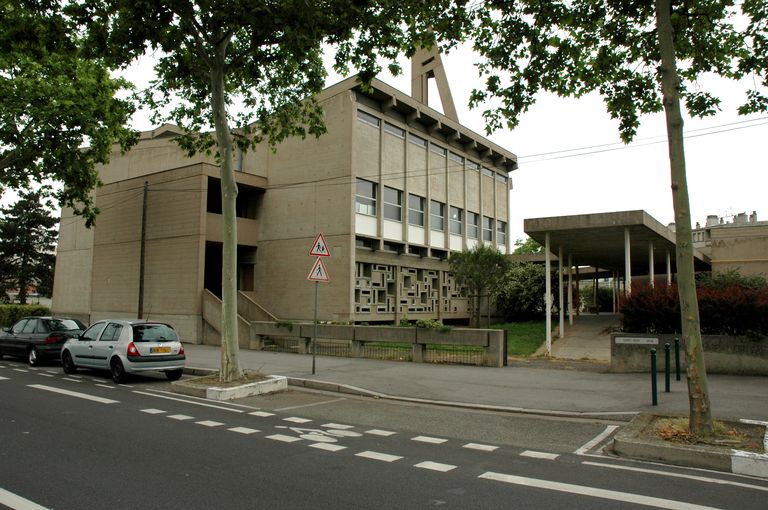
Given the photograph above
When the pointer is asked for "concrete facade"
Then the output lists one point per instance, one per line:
(740, 244)
(382, 143)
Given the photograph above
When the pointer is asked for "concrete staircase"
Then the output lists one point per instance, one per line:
(248, 311)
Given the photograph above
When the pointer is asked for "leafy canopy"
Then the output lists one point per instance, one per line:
(54, 103)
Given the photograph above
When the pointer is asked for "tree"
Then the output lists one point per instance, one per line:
(52, 103)
(481, 271)
(521, 295)
(642, 57)
(266, 55)
(529, 245)
(27, 242)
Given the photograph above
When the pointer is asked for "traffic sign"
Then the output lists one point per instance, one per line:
(319, 247)
(318, 273)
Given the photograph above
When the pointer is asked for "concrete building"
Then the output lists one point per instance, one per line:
(394, 186)
(740, 244)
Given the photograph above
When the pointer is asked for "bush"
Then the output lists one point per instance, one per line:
(522, 294)
(604, 298)
(433, 324)
(9, 314)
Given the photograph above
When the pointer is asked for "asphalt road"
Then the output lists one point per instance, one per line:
(84, 443)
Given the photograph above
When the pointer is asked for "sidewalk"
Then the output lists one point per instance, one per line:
(541, 386)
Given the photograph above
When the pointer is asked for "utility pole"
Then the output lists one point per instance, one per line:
(141, 256)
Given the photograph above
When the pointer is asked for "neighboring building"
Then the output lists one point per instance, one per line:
(394, 186)
(741, 244)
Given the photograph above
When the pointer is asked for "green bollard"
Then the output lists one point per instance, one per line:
(654, 389)
(666, 367)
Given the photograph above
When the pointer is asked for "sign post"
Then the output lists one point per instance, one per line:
(318, 274)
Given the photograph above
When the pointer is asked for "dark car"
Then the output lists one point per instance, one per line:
(38, 338)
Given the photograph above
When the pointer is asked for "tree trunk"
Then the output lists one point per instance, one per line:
(698, 388)
(230, 362)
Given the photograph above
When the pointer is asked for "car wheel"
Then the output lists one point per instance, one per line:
(67, 363)
(117, 370)
(33, 358)
(174, 375)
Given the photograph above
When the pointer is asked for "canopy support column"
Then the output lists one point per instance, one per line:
(548, 292)
(651, 272)
(570, 290)
(561, 296)
(627, 264)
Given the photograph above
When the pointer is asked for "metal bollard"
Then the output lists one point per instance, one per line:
(677, 359)
(666, 367)
(654, 390)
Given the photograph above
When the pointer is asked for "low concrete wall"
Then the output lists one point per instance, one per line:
(491, 340)
(630, 352)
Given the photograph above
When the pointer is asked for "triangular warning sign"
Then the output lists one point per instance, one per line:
(319, 247)
(318, 273)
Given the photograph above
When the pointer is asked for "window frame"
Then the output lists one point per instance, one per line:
(488, 230)
(389, 206)
(416, 212)
(365, 204)
(437, 219)
(473, 225)
(453, 222)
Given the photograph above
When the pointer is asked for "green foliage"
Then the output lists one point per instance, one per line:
(433, 324)
(604, 298)
(27, 242)
(10, 314)
(404, 322)
(285, 324)
(522, 294)
(731, 278)
(481, 271)
(529, 245)
(53, 102)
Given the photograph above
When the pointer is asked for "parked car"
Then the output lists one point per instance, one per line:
(38, 338)
(125, 347)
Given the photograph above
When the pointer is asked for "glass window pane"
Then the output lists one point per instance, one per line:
(416, 210)
(368, 118)
(365, 200)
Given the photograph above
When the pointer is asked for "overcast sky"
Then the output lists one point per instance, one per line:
(727, 169)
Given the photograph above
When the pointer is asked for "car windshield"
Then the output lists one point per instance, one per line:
(63, 325)
(153, 333)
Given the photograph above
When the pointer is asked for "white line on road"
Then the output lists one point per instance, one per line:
(427, 439)
(45, 375)
(16, 502)
(328, 447)
(596, 440)
(209, 423)
(243, 430)
(481, 447)
(261, 414)
(74, 394)
(539, 455)
(153, 411)
(105, 386)
(181, 417)
(190, 402)
(337, 426)
(294, 419)
(378, 456)
(435, 466)
(284, 438)
(202, 399)
(70, 379)
(20, 370)
(3, 378)
(705, 479)
(382, 433)
(593, 492)
(311, 405)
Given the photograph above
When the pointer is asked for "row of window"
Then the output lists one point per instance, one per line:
(372, 120)
(366, 198)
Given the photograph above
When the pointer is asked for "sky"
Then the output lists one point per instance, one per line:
(726, 167)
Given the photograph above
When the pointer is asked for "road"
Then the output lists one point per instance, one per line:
(83, 443)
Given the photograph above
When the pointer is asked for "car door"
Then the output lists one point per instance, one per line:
(9, 339)
(24, 339)
(103, 347)
(82, 349)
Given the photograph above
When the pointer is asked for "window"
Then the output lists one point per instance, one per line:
(438, 150)
(437, 215)
(456, 221)
(368, 118)
(394, 130)
(501, 178)
(501, 232)
(393, 247)
(487, 228)
(488, 172)
(19, 326)
(455, 157)
(416, 210)
(154, 333)
(417, 140)
(473, 224)
(31, 326)
(111, 332)
(365, 200)
(94, 331)
(363, 242)
(473, 166)
(393, 204)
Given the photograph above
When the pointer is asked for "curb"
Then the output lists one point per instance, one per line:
(354, 390)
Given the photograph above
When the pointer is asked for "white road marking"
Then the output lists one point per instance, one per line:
(74, 394)
(71, 380)
(435, 466)
(76, 376)
(52, 372)
(105, 386)
(189, 402)
(670, 474)
(153, 411)
(16, 502)
(201, 399)
(45, 375)
(593, 492)
(481, 447)
(294, 419)
(596, 440)
(328, 447)
(539, 455)
(383, 433)
(427, 439)
(3, 378)
(209, 423)
(261, 414)
(243, 430)
(20, 370)
(311, 405)
(96, 380)
(337, 426)
(284, 438)
(181, 417)
(378, 456)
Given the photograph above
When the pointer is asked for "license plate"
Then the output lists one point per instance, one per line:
(159, 350)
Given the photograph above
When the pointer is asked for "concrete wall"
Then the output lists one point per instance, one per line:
(744, 248)
(630, 352)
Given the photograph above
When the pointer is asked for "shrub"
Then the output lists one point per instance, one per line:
(433, 324)
(404, 322)
(9, 314)
(521, 297)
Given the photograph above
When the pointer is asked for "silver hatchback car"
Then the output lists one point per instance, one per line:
(124, 347)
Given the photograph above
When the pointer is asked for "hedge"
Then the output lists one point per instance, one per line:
(9, 314)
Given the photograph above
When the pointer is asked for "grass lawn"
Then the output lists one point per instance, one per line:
(523, 338)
